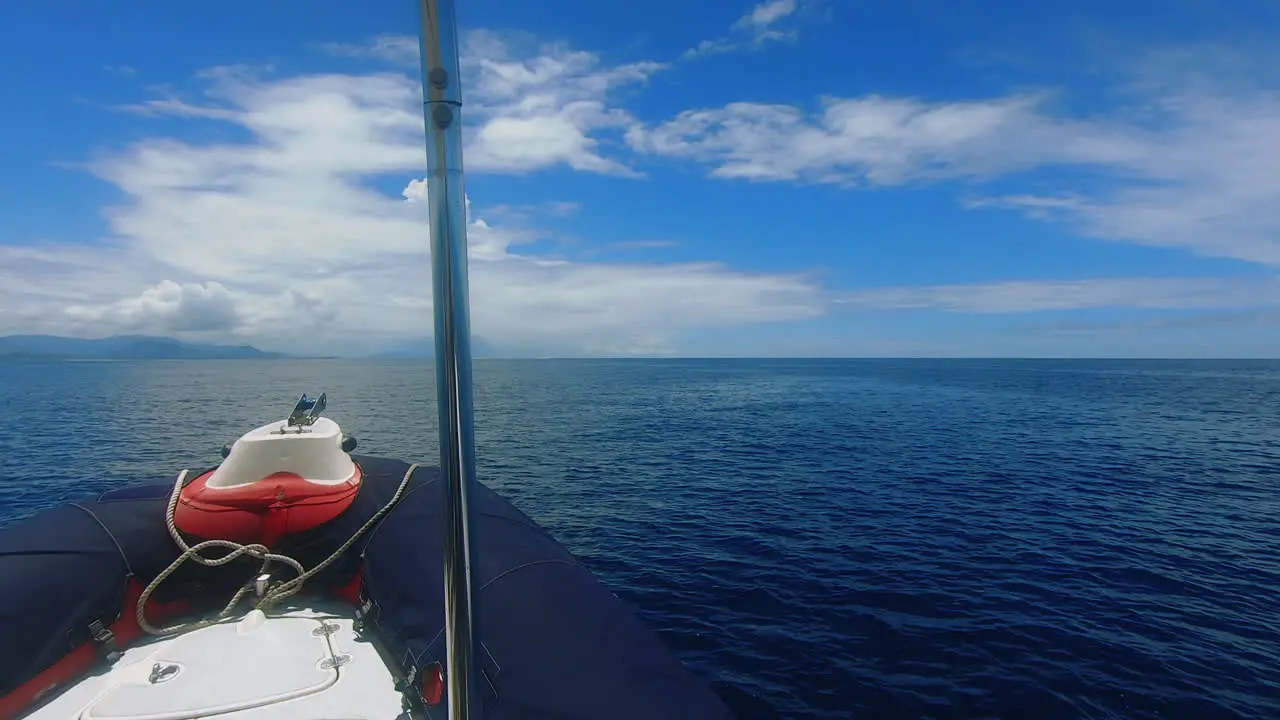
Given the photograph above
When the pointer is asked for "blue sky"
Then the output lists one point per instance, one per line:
(807, 177)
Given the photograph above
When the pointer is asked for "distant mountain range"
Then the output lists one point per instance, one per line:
(147, 347)
(124, 347)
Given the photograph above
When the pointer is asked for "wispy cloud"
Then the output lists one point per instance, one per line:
(765, 16)
(1206, 182)
(872, 140)
(526, 213)
(531, 105)
(1037, 296)
(754, 29)
(395, 49)
(641, 244)
(1254, 318)
(1194, 170)
(563, 208)
(545, 107)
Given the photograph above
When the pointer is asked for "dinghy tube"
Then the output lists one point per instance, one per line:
(552, 641)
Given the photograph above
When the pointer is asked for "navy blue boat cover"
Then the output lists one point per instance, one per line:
(555, 643)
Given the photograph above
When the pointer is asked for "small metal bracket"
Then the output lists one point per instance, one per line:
(161, 672)
(305, 412)
(105, 640)
(362, 616)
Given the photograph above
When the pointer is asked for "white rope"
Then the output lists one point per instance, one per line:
(273, 594)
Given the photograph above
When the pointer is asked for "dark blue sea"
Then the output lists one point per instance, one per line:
(820, 538)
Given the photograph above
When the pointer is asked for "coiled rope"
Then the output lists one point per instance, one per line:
(273, 594)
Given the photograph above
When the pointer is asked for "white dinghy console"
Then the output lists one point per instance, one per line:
(306, 445)
(277, 480)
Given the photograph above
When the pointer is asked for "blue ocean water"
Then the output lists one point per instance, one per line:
(821, 538)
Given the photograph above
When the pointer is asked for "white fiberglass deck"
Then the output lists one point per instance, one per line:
(299, 665)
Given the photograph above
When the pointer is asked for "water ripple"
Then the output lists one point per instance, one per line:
(933, 539)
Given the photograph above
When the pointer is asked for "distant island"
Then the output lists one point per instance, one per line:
(124, 347)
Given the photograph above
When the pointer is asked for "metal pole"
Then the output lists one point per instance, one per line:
(442, 107)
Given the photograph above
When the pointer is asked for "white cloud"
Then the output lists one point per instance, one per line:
(168, 307)
(1042, 295)
(39, 282)
(547, 108)
(395, 49)
(765, 15)
(597, 308)
(316, 221)
(880, 140)
(530, 105)
(751, 30)
(1197, 171)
